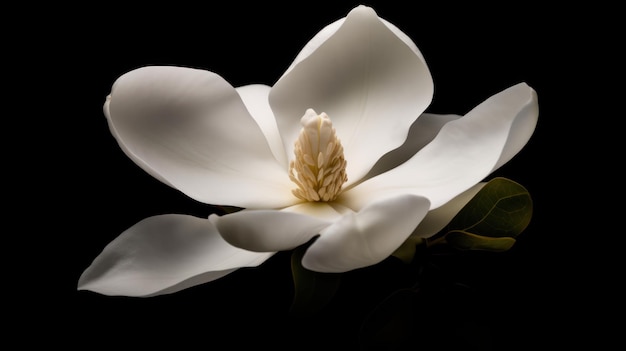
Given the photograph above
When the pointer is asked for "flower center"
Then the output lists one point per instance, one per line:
(319, 169)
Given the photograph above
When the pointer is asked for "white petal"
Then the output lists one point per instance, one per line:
(191, 129)
(255, 97)
(268, 230)
(128, 153)
(164, 254)
(330, 29)
(423, 131)
(367, 79)
(464, 152)
(438, 218)
(522, 129)
(367, 237)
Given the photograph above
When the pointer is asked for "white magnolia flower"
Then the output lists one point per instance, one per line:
(334, 149)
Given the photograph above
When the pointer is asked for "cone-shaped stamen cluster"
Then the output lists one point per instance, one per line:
(319, 169)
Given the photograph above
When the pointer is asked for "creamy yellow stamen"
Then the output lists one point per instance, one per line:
(319, 169)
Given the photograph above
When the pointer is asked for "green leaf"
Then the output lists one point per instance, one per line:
(490, 221)
(313, 290)
(502, 208)
(468, 241)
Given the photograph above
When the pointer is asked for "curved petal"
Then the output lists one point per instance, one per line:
(439, 218)
(520, 132)
(330, 29)
(128, 153)
(464, 152)
(367, 79)
(267, 230)
(164, 254)
(255, 97)
(422, 132)
(191, 128)
(367, 237)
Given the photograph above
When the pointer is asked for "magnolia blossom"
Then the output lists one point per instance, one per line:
(339, 149)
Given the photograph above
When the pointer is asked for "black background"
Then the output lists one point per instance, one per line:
(88, 191)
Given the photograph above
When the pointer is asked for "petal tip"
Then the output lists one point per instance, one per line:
(363, 10)
(526, 88)
(532, 98)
